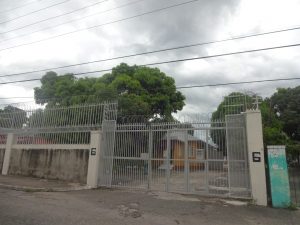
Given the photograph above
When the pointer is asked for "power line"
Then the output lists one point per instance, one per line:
(70, 21)
(235, 83)
(18, 7)
(121, 6)
(100, 25)
(154, 51)
(50, 18)
(179, 87)
(14, 103)
(13, 98)
(32, 12)
(171, 61)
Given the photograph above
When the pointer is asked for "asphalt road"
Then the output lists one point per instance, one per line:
(116, 207)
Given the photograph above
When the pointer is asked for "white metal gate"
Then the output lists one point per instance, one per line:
(207, 158)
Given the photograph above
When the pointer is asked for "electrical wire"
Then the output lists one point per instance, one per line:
(70, 21)
(236, 83)
(154, 51)
(14, 103)
(18, 7)
(47, 19)
(32, 12)
(13, 98)
(99, 25)
(170, 61)
(178, 87)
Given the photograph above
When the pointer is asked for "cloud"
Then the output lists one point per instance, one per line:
(196, 22)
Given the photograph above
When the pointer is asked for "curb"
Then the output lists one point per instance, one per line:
(42, 189)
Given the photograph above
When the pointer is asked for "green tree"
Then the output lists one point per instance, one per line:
(139, 91)
(286, 104)
(272, 127)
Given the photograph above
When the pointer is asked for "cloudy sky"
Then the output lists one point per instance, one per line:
(193, 22)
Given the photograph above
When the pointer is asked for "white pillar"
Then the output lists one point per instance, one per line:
(7, 154)
(256, 156)
(94, 158)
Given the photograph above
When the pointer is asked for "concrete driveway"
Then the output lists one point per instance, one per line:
(104, 206)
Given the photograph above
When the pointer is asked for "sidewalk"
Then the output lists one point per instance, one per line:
(31, 184)
(125, 207)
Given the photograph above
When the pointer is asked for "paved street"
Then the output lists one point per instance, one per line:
(114, 207)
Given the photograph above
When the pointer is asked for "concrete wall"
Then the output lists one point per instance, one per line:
(255, 146)
(2, 151)
(68, 165)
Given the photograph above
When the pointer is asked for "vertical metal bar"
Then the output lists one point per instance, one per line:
(13, 119)
(78, 111)
(168, 161)
(228, 155)
(52, 122)
(246, 167)
(186, 163)
(150, 149)
(206, 161)
(89, 113)
(112, 147)
(52, 117)
(40, 119)
(245, 103)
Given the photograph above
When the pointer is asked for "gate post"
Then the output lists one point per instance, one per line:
(256, 159)
(7, 154)
(94, 159)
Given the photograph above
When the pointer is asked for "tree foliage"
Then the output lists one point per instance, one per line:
(139, 91)
(272, 127)
(286, 104)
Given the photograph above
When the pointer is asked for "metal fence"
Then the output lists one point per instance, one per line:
(208, 158)
(54, 127)
(294, 178)
(238, 102)
(78, 116)
(201, 157)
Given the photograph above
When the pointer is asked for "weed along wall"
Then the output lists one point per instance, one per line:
(63, 164)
